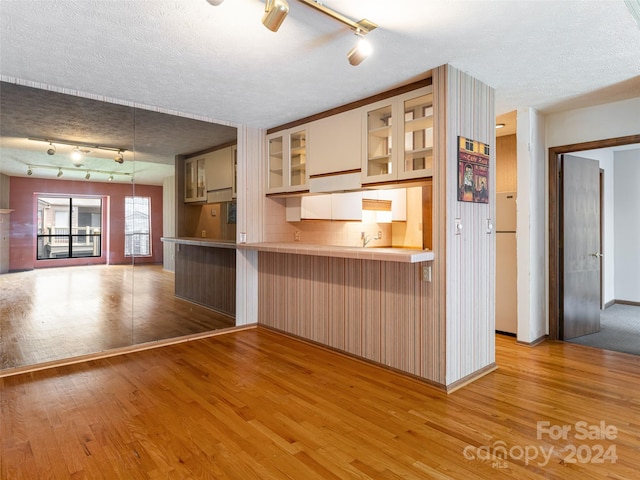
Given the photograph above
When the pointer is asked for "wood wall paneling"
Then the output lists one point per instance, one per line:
(506, 164)
(380, 311)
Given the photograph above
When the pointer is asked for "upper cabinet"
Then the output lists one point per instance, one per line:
(194, 179)
(219, 169)
(287, 165)
(398, 139)
(335, 144)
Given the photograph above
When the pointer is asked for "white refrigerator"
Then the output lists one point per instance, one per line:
(506, 272)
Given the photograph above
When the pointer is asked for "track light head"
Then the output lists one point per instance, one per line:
(87, 176)
(119, 157)
(361, 50)
(110, 178)
(29, 171)
(59, 173)
(52, 149)
(275, 13)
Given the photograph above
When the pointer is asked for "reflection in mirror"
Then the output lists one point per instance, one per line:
(87, 190)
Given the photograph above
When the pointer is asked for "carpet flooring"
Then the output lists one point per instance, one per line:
(619, 330)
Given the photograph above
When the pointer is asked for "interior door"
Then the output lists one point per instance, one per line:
(581, 252)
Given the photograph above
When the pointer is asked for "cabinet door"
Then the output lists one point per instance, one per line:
(297, 160)
(276, 173)
(194, 178)
(335, 143)
(219, 169)
(378, 139)
(416, 157)
(346, 206)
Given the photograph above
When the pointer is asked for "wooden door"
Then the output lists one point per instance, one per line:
(581, 246)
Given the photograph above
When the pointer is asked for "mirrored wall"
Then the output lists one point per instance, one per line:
(87, 190)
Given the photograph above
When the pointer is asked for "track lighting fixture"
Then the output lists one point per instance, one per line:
(275, 13)
(87, 176)
(110, 178)
(74, 172)
(59, 173)
(361, 50)
(80, 150)
(29, 171)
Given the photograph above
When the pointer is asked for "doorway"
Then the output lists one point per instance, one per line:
(557, 287)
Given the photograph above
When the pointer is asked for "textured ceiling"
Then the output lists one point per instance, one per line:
(222, 64)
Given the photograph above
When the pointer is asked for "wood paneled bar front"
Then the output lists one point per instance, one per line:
(205, 272)
(373, 303)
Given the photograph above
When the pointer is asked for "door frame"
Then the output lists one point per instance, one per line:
(556, 260)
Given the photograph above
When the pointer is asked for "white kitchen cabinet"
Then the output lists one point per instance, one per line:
(346, 206)
(398, 198)
(335, 144)
(287, 161)
(194, 179)
(398, 137)
(219, 172)
(313, 207)
(219, 169)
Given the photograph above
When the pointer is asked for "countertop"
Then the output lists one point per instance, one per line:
(200, 242)
(408, 255)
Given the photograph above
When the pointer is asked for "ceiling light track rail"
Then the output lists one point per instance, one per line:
(363, 26)
(71, 143)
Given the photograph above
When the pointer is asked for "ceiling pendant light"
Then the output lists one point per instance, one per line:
(275, 13)
(361, 50)
(215, 3)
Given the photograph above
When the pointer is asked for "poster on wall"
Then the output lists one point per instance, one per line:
(473, 171)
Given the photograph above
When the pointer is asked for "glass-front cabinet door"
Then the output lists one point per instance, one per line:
(287, 161)
(418, 136)
(379, 144)
(398, 140)
(194, 180)
(275, 177)
(298, 155)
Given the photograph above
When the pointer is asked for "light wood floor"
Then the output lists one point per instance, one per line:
(255, 404)
(55, 313)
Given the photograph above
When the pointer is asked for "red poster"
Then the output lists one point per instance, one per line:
(473, 171)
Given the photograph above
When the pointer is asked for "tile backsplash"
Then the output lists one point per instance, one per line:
(322, 232)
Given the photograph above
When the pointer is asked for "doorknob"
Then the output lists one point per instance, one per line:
(597, 254)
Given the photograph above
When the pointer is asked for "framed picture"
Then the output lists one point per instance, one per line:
(231, 212)
(473, 171)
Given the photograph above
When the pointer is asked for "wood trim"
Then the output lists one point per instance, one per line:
(353, 105)
(211, 149)
(333, 174)
(555, 218)
(627, 302)
(410, 182)
(297, 193)
(121, 351)
(463, 382)
(537, 341)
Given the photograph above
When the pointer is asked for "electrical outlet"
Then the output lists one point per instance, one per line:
(203, 233)
(296, 236)
(379, 234)
(426, 273)
(243, 237)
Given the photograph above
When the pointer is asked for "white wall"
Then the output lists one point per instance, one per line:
(605, 158)
(627, 225)
(531, 231)
(611, 120)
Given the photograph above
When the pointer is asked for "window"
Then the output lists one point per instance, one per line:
(137, 226)
(69, 227)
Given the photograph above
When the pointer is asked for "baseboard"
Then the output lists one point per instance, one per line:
(627, 302)
(537, 341)
(452, 387)
(609, 304)
(121, 351)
